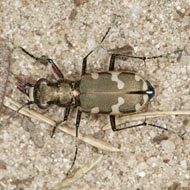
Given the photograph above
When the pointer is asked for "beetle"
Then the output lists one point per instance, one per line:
(109, 92)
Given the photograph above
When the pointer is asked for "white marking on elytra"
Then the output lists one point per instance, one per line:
(115, 108)
(137, 106)
(145, 98)
(145, 86)
(95, 110)
(137, 78)
(114, 77)
(95, 75)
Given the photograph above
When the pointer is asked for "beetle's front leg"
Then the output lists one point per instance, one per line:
(45, 60)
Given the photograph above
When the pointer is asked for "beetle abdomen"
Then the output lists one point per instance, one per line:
(114, 92)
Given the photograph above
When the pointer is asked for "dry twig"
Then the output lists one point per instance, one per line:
(8, 102)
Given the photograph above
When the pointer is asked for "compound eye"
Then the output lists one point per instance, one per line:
(41, 81)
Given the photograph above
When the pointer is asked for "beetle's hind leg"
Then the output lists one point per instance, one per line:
(112, 62)
(158, 56)
(124, 51)
(113, 126)
(127, 55)
(84, 63)
(45, 61)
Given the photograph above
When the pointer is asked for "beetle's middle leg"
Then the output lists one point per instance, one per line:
(66, 114)
(45, 61)
(76, 140)
(143, 58)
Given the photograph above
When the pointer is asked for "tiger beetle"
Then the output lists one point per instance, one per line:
(109, 92)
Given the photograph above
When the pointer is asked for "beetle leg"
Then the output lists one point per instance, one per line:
(112, 122)
(84, 63)
(108, 30)
(110, 27)
(166, 129)
(85, 59)
(67, 111)
(76, 140)
(152, 57)
(113, 125)
(125, 54)
(45, 60)
(56, 69)
(112, 62)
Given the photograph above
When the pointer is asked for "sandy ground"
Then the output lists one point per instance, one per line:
(66, 31)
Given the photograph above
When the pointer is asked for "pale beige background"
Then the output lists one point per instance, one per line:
(151, 28)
